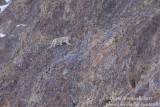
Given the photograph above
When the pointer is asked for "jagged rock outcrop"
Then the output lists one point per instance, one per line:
(113, 59)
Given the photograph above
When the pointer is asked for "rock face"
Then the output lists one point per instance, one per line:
(113, 59)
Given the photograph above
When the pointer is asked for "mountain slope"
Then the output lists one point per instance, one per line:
(113, 58)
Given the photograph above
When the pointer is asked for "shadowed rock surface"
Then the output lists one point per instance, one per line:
(114, 56)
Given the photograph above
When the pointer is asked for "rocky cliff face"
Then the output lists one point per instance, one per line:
(114, 56)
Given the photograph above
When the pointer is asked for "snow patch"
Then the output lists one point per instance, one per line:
(7, 1)
(2, 35)
(3, 7)
(20, 25)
